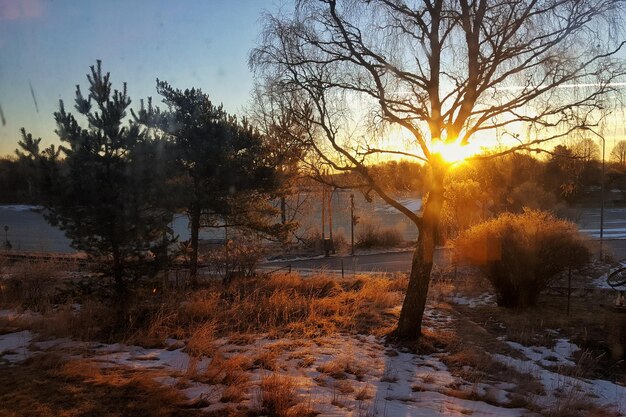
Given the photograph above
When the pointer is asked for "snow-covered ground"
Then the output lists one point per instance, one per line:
(343, 375)
(413, 204)
(601, 282)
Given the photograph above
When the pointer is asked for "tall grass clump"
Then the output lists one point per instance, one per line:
(31, 285)
(520, 254)
(375, 236)
(291, 305)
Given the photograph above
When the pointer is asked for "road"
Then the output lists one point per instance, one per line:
(379, 262)
(395, 261)
(587, 219)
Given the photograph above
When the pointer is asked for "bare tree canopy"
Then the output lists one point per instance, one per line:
(444, 72)
(618, 154)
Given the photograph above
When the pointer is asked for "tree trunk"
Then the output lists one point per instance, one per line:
(118, 273)
(195, 230)
(283, 210)
(410, 322)
(120, 289)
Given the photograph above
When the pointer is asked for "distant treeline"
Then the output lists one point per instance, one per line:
(565, 175)
(15, 186)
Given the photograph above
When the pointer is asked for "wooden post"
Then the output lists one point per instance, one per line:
(569, 288)
(330, 220)
(323, 212)
(352, 224)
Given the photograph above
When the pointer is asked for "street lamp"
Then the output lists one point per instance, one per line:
(7, 245)
(601, 136)
(602, 197)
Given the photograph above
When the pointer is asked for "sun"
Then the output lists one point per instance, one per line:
(453, 152)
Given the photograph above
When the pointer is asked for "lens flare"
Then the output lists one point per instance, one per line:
(454, 151)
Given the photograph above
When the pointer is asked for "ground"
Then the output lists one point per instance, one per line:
(475, 358)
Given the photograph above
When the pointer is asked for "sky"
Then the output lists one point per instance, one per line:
(47, 46)
(50, 44)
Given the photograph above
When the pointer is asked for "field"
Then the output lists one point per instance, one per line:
(284, 345)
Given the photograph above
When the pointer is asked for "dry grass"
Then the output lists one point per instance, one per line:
(572, 404)
(279, 398)
(340, 368)
(375, 236)
(201, 342)
(48, 386)
(598, 332)
(288, 305)
(267, 359)
(31, 285)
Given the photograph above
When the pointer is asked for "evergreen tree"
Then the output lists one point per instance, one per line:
(104, 193)
(228, 174)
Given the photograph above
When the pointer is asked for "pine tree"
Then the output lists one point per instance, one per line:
(228, 176)
(105, 192)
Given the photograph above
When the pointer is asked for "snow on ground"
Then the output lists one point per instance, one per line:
(544, 365)
(342, 375)
(560, 355)
(413, 204)
(14, 346)
(484, 299)
(600, 282)
(557, 385)
(20, 207)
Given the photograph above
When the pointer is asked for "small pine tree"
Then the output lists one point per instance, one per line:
(103, 193)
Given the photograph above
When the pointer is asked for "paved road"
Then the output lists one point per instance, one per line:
(381, 262)
(588, 220)
(377, 262)
(394, 261)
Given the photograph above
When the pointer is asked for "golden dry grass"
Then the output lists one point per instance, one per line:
(288, 305)
(278, 397)
(48, 386)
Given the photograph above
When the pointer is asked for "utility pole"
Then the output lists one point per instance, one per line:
(323, 213)
(352, 223)
(330, 220)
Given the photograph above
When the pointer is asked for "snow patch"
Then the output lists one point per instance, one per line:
(559, 356)
(413, 204)
(14, 346)
(20, 207)
(484, 299)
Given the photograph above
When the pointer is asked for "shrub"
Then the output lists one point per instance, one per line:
(234, 259)
(375, 236)
(521, 253)
(31, 285)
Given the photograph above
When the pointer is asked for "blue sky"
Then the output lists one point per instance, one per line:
(50, 45)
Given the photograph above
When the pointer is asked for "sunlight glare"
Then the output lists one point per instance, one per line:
(454, 152)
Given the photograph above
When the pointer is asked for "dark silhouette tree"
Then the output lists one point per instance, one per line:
(618, 154)
(228, 175)
(104, 192)
(440, 72)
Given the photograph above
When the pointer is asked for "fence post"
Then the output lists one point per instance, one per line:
(569, 288)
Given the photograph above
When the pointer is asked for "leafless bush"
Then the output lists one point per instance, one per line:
(31, 285)
(234, 259)
(376, 236)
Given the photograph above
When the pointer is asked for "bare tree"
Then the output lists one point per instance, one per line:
(586, 150)
(440, 73)
(618, 154)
